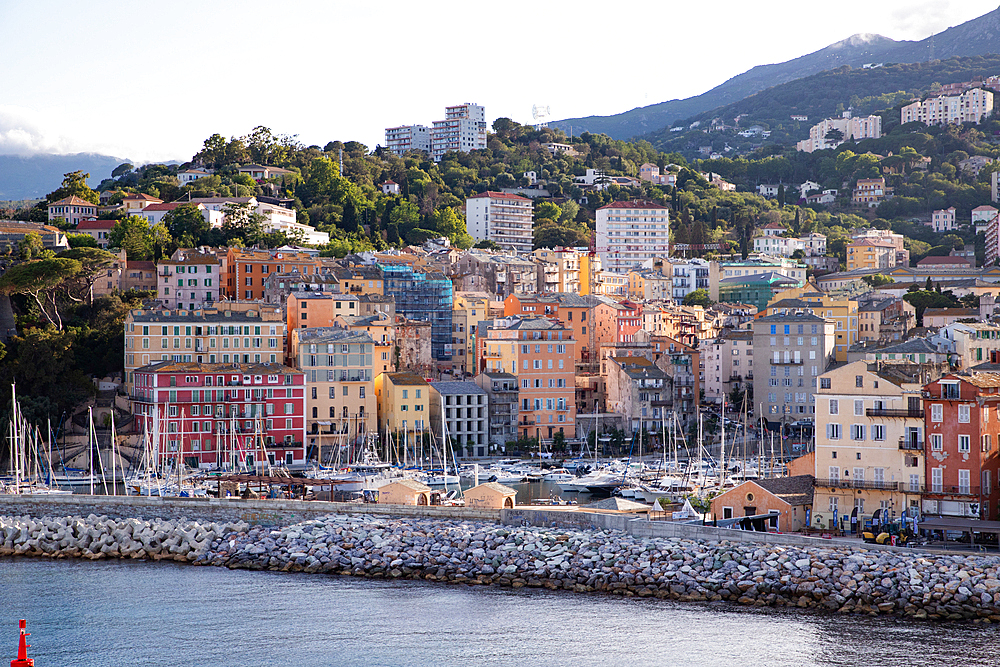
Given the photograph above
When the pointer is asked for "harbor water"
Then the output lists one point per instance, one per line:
(104, 613)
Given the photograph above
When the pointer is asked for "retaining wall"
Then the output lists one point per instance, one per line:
(641, 527)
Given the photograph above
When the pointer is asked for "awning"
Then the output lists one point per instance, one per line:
(964, 525)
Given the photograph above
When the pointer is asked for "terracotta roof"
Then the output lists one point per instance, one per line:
(930, 261)
(143, 197)
(170, 206)
(84, 225)
(951, 312)
(72, 201)
(411, 484)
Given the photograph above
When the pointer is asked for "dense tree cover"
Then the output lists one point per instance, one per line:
(699, 297)
(74, 184)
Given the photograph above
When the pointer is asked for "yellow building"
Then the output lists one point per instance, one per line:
(340, 396)
(382, 329)
(650, 285)
(868, 254)
(403, 403)
(571, 269)
(869, 442)
(468, 309)
(843, 312)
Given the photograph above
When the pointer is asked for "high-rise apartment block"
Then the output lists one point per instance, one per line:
(631, 232)
(969, 107)
(502, 218)
(406, 138)
(462, 130)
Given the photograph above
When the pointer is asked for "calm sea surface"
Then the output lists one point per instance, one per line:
(135, 613)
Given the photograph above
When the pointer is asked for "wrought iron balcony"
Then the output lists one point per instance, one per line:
(884, 412)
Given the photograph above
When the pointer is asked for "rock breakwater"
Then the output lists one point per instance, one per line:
(840, 579)
(97, 537)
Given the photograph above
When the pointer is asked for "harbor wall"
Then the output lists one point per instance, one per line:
(642, 527)
(254, 512)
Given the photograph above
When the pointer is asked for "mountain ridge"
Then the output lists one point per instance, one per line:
(977, 36)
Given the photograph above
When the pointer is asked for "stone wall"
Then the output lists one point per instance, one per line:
(256, 512)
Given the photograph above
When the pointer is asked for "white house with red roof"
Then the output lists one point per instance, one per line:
(390, 187)
(502, 218)
(72, 210)
(631, 232)
(99, 229)
(154, 213)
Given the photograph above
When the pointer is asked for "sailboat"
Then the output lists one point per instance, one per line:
(25, 461)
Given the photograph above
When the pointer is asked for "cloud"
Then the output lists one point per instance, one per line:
(927, 17)
(24, 131)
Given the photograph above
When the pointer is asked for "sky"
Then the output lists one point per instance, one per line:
(151, 81)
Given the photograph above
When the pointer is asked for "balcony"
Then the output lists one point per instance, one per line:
(904, 414)
(530, 421)
(911, 445)
(788, 362)
(861, 484)
(954, 490)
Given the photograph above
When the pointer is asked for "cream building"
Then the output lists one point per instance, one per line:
(230, 332)
(869, 442)
(340, 387)
(790, 351)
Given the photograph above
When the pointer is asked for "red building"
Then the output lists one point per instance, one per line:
(962, 420)
(205, 409)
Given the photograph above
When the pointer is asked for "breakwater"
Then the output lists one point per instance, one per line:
(842, 579)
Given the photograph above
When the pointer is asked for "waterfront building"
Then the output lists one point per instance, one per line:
(962, 423)
(340, 387)
(869, 442)
(728, 364)
(539, 351)
(208, 411)
(639, 391)
(465, 409)
(403, 404)
(502, 407)
(231, 332)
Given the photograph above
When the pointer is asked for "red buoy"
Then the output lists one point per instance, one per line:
(22, 650)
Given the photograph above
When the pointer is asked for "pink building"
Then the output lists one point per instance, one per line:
(208, 413)
(188, 280)
(944, 220)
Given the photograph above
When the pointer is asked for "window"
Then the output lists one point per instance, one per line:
(964, 413)
(878, 432)
(963, 481)
(859, 381)
(857, 432)
(937, 480)
(859, 408)
(824, 383)
(936, 442)
(834, 406)
(986, 443)
(937, 412)
(833, 431)
(963, 444)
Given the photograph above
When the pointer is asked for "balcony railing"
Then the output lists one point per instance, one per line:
(905, 414)
(911, 445)
(954, 490)
(526, 422)
(861, 484)
(787, 362)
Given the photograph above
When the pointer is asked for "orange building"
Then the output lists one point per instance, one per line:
(246, 270)
(618, 322)
(573, 310)
(540, 352)
(308, 310)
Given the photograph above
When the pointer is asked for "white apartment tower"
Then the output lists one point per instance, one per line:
(463, 130)
(630, 232)
(502, 218)
(405, 138)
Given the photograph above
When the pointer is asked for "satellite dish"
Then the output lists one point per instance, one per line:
(541, 113)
